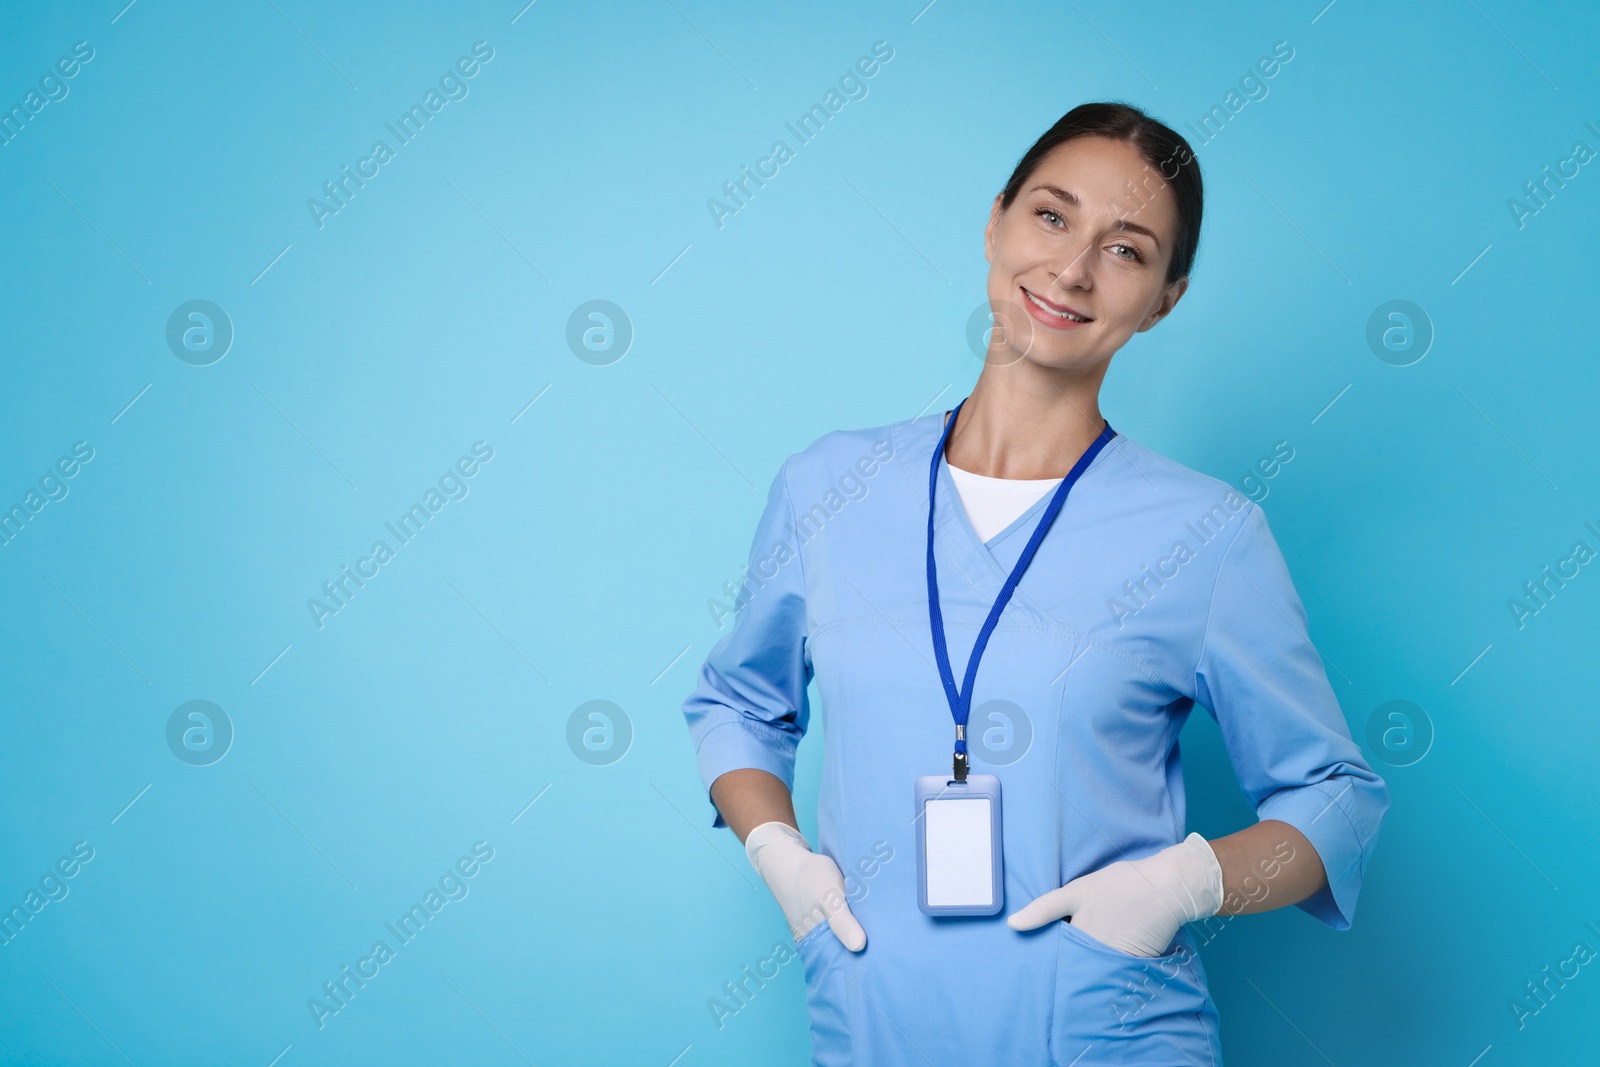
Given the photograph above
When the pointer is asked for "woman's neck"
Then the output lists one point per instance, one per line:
(1024, 422)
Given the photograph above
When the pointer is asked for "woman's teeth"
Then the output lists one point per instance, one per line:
(1058, 314)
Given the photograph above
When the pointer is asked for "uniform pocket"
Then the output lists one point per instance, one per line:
(827, 995)
(1112, 1007)
(1093, 942)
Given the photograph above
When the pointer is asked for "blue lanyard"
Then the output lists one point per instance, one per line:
(961, 702)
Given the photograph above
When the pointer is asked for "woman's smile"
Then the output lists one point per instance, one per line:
(1061, 317)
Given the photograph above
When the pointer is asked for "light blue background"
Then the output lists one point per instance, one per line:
(431, 310)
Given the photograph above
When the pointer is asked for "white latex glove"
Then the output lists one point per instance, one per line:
(1136, 906)
(808, 886)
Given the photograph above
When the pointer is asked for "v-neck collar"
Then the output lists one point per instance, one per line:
(976, 557)
(947, 485)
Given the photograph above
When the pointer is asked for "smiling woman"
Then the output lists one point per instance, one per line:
(1074, 244)
(1090, 242)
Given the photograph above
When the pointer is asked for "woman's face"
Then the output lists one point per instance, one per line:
(1089, 234)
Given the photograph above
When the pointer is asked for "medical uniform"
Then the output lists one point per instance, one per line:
(1157, 588)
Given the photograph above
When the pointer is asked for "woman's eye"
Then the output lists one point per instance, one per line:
(1137, 255)
(1047, 213)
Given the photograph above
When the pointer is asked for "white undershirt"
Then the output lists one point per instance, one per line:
(992, 504)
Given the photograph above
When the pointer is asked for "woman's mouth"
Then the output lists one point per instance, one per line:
(1056, 316)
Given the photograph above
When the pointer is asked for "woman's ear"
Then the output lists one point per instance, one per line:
(995, 211)
(1169, 300)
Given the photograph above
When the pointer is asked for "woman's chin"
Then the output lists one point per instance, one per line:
(1044, 358)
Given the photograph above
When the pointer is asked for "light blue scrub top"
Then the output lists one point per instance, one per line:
(1157, 588)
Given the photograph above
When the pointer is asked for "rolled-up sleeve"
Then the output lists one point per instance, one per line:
(1263, 681)
(749, 706)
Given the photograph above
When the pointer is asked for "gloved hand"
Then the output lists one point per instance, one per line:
(808, 886)
(1136, 906)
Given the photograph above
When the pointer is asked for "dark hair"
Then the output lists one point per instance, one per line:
(1163, 149)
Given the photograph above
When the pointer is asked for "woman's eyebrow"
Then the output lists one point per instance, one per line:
(1071, 199)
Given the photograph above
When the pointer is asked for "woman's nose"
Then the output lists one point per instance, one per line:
(1076, 267)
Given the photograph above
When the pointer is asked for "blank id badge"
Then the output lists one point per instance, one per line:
(959, 866)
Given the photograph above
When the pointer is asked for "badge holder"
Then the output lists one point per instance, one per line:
(959, 864)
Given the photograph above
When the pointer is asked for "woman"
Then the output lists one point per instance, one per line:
(1156, 589)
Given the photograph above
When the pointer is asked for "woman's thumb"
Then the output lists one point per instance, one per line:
(848, 930)
(1055, 904)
